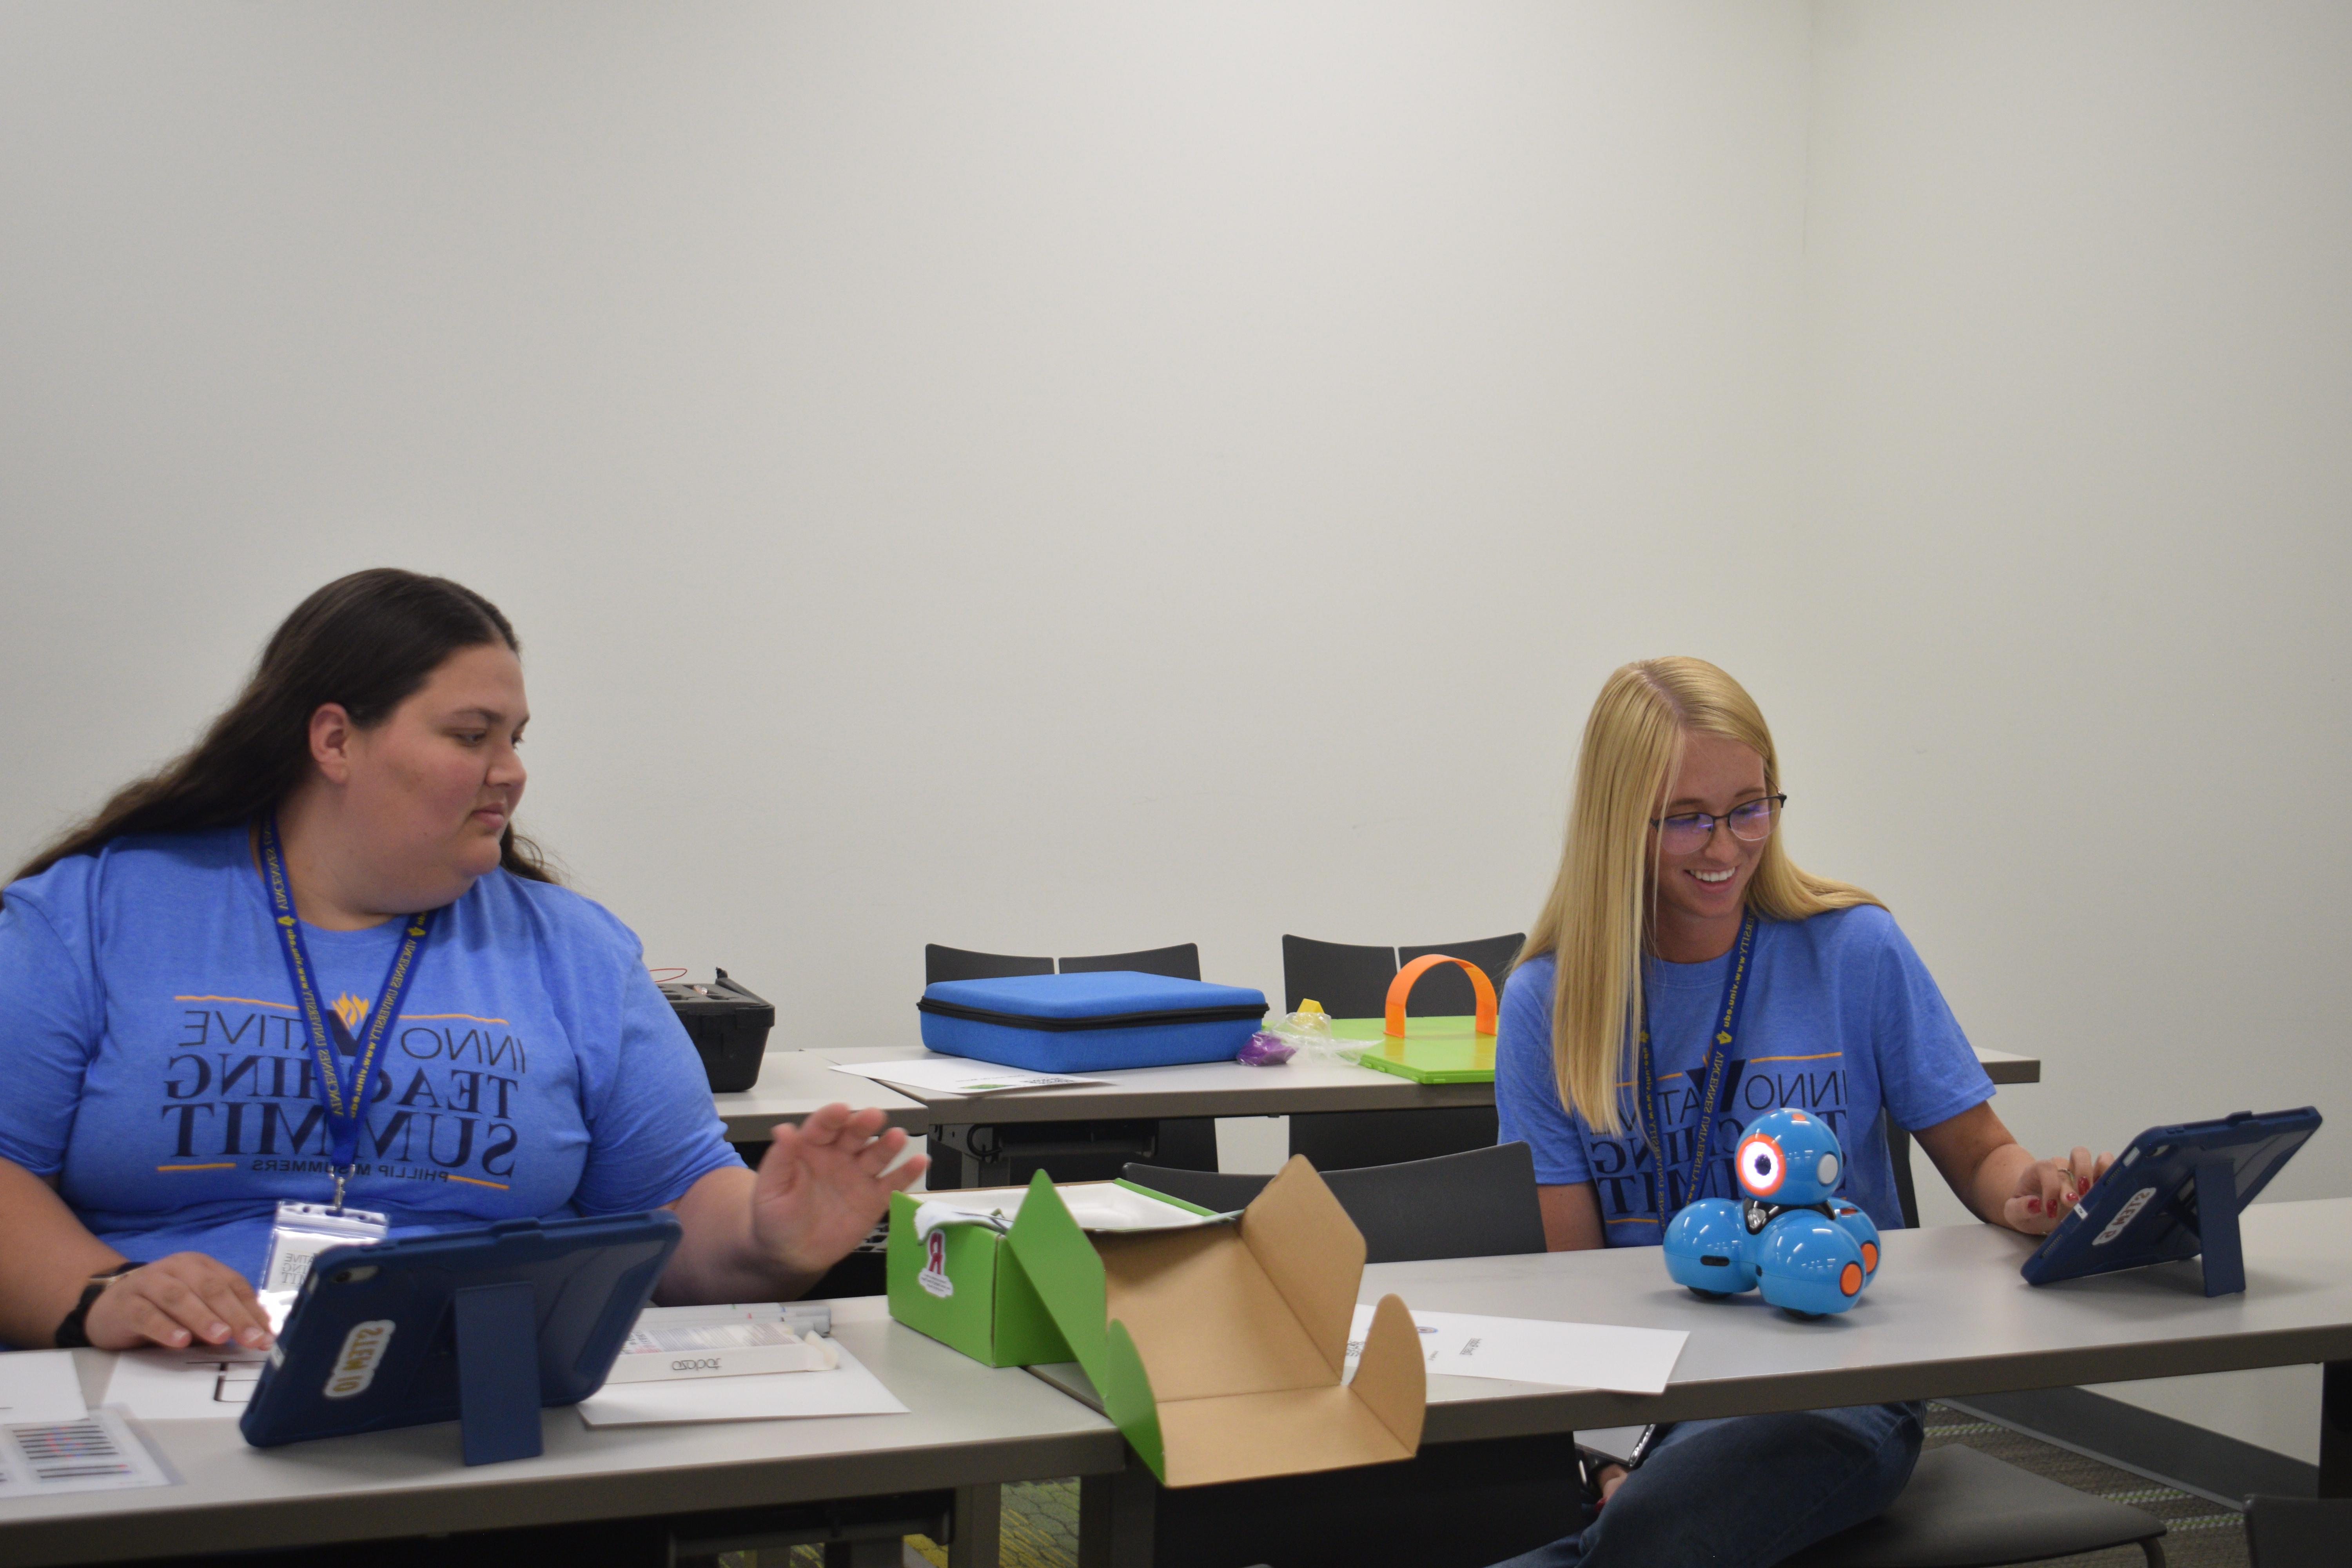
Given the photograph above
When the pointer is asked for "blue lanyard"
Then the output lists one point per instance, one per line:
(343, 1092)
(1718, 1057)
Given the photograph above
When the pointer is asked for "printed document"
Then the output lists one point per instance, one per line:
(847, 1390)
(956, 1074)
(97, 1453)
(1535, 1350)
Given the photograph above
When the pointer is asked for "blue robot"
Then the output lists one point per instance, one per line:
(1808, 1251)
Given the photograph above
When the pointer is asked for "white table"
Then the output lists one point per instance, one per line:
(1946, 1316)
(970, 1428)
(792, 1084)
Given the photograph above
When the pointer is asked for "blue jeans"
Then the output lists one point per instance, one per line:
(1747, 1492)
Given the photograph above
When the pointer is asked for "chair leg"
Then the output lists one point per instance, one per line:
(2154, 1549)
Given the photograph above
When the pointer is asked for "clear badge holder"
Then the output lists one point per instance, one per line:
(302, 1232)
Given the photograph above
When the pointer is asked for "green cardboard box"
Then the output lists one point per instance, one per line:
(959, 1281)
(1220, 1349)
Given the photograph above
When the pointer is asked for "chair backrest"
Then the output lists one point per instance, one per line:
(1444, 992)
(943, 963)
(1477, 1203)
(1353, 982)
(2297, 1531)
(1219, 1191)
(1350, 981)
(1182, 961)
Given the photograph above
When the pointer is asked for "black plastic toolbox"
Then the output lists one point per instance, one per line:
(728, 1027)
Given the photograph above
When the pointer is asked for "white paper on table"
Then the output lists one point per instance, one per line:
(1097, 1206)
(954, 1074)
(100, 1452)
(848, 1389)
(39, 1385)
(1535, 1350)
(202, 1383)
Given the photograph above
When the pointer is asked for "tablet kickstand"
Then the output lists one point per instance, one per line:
(497, 1372)
(2217, 1227)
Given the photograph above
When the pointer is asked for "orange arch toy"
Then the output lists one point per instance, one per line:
(1401, 987)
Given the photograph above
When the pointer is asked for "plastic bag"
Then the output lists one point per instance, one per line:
(1308, 1033)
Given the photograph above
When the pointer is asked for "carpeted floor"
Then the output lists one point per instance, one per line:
(1041, 1521)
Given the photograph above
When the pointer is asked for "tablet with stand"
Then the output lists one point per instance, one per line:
(2175, 1192)
(482, 1327)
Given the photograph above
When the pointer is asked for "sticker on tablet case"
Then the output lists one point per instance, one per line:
(363, 1354)
(934, 1276)
(2128, 1213)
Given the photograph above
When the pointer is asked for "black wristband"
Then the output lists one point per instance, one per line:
(73, 1332)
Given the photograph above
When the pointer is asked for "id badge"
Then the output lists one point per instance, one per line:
(305, 1230)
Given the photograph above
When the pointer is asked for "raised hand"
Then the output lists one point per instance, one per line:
(821, 1186)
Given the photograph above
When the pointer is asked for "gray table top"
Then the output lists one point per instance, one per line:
(791, 1084)
(1946, 1315)
(1202, 1089)
(968, 1424)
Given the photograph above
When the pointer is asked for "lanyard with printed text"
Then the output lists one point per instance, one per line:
(342, 1093)
(1719, 1056)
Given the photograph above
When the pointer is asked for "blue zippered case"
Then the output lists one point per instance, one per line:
(1090, 1022)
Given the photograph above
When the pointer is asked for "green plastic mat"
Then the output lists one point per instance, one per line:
(1433, 1050)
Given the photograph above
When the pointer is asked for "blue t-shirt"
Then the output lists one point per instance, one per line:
(153, 1058)
(1841, 1018)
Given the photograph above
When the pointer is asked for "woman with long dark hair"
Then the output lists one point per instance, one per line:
(337, 859)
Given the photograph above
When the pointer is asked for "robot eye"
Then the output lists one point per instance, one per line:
(1761, 1165)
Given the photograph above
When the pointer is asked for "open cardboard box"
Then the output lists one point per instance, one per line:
(1218, 1348)
(952, 1276)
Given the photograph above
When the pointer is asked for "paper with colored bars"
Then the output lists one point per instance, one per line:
(98, 1453)
(1535, 1350)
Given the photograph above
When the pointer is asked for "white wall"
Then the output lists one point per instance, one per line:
(1043, 479)
(1064, 477)
(2079, 369)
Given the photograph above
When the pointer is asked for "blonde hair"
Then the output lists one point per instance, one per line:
(1597, 924)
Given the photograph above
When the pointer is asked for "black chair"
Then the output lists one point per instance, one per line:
(984, 1154)
(1446, 992)
(2298, 1531)
(1477, 1203)
(1182, 961)
(1454, 1505)
(944, 963)
(1962, 1508)
(1353, 982)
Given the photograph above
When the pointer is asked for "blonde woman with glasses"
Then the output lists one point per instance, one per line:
(1682, 957)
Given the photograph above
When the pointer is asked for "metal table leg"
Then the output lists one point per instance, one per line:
(1115, 1518)
(2335, 1430)
(979, 1527)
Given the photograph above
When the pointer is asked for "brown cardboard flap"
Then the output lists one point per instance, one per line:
(1243, 1436)
(1205, 1317)
(1312, 1252)
(1392, 1376)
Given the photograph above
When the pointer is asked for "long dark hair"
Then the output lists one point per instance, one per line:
(367, 641)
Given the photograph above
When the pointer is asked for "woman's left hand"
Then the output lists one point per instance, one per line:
(2047, 1188)
(821, 1186)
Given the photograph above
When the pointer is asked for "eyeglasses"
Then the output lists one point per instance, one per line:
(1689, 832)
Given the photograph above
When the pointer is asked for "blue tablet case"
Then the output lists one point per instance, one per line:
(1090, 1022)
(479, 1326)
(2175, 1192)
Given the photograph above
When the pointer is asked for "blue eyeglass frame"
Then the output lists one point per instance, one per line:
(1712, 821)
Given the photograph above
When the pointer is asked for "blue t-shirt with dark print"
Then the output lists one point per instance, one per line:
(153, 1061)
(1841, 1018)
